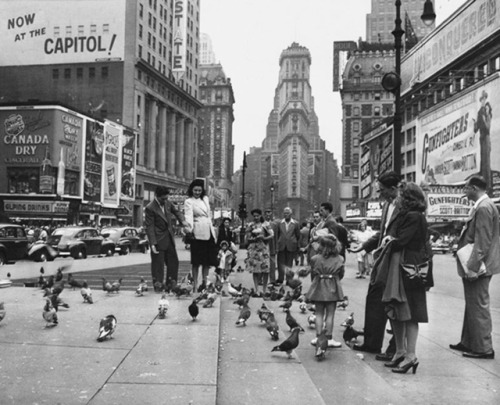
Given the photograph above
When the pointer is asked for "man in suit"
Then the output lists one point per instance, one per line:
(288, 243)
(482, 230)
(375, 317)
(159, 229)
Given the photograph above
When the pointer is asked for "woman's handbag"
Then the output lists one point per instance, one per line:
(415, 275)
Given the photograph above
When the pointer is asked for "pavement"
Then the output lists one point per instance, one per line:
(212, 361)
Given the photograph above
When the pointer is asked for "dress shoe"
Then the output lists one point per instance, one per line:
(472, 355)
(334, 343)
(394, 363)
(384, 357)
(460, 347)
(404, 369)
(366, 349)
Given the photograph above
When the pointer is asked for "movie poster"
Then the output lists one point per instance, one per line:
(111, 175)
(128, 147)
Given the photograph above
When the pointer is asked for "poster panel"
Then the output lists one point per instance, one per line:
(128, 147)
(111, 175)
(37, 32)
(461, 139)
(94, 146)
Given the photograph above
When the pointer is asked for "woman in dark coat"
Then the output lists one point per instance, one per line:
(406, 301)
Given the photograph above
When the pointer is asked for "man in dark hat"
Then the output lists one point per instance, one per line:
(375, 317)
(158, 223)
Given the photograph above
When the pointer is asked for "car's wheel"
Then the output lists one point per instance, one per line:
(3, 259)
(42, 256)
(108, 251)
(78, 253)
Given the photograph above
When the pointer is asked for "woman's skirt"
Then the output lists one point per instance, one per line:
(203, 252)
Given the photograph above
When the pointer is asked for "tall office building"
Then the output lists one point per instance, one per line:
(293, 159)
(131, 61)
(207, 54)
(380, 21)
(215, 143)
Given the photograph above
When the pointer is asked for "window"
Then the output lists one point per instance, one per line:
(376, 111)
(79, 73)
(355, 126)
(377, 96)
(67, 73)
(92, 72)
(104, 71)
(140, 31)
(355, 142)
(55, 73)
(356, 111)
(140, 51)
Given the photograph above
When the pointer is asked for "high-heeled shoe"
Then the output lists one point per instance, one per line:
(394, 363)
(404, 369)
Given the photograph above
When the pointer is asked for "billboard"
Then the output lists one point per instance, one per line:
(61, 31)
(111, 174)
(461, 138)
(376, 158)
(127, 169)
(180, 38)
(447, 201)
(475, 23)
(41, 147)
(94, 145)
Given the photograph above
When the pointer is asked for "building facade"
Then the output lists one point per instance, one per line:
(215, 154)
(135, 63)
(293, 168)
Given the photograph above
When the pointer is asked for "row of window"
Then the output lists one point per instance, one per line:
(79, 73)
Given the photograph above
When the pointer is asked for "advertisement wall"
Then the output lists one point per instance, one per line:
(180, 38)
(111, 174)
(61, 31)
(462, 138)
(94, 146)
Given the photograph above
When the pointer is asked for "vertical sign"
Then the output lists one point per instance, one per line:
(127, 146)
(94, 145)
(180, 25)
(111, 163)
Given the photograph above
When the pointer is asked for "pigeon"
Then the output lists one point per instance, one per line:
(41, 279)
(59, 275)
(244, 315)
(210, 300)
(233, 292)
(218, 283)
(311, 320)
(49, 313)
(272, 326)
(292, 322)
(321, 345)
(303, 272)
(193, 310)
(243, 300)
(289, 344)
(159, 286)
(49, 283)
(349, 321)
(163, 306)
(297, 293)
(303, 307)
(202, 287)
(58, 288)
(182, 289)
(55, 300)
(115, 287)
(86, 293)
(344, 303)
(350, 333)
(286, 305)
(294, 283)
(107, 326)
(263, 312)
(2, 311)
(142, 288)
(73, 283)
(106, 285)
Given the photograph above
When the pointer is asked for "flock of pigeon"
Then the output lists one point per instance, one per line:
(53, 286)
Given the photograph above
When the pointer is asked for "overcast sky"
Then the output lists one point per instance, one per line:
(248, 37)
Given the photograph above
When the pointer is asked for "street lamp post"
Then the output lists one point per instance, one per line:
(392, 80)
(243, 208)
(272, 198)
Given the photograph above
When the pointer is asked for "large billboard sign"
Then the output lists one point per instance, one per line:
(40, 148)
(37, 32)
(111, 174)
(461, 139)
(461, 33)
(376, 158)
(94, 146)
(127, 169)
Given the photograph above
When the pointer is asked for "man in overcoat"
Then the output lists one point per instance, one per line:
(481, 230)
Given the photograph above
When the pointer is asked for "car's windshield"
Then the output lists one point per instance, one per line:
(64, 231)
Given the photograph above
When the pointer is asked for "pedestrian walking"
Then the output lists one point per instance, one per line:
(158, 222)
(199, 220)
(272, 243)
(303, 241)
(480, 236)
(326, 289)
(288, 243)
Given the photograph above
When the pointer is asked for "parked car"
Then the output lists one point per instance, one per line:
(440, 247)
(126, 239)
(15, 245)
(80, 242)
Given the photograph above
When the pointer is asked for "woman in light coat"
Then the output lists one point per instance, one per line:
(198, 216)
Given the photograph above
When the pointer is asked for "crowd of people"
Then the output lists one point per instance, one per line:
(397, 259)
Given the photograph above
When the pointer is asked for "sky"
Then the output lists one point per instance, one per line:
(248, 37)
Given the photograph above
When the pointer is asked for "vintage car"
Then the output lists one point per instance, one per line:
(15, 245)
(126, 239)
(440, 246)
(80, 242)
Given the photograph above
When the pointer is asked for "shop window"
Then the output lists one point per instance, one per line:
(23, 180)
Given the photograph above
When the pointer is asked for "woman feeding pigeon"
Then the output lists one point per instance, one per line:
(326, 290)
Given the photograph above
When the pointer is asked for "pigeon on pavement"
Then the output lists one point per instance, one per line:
(73, 283)
(163, 306)
(244, 315)
(321, 345)
(49, 313)
(193, 310)
(289, 344)
(292, 322)
(2, 311)
(272, 326)
(107, 326)
(86, 293)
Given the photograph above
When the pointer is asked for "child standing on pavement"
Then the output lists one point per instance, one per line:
(225, 259)
(326, 290)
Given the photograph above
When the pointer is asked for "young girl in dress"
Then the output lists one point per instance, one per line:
(326, 290)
